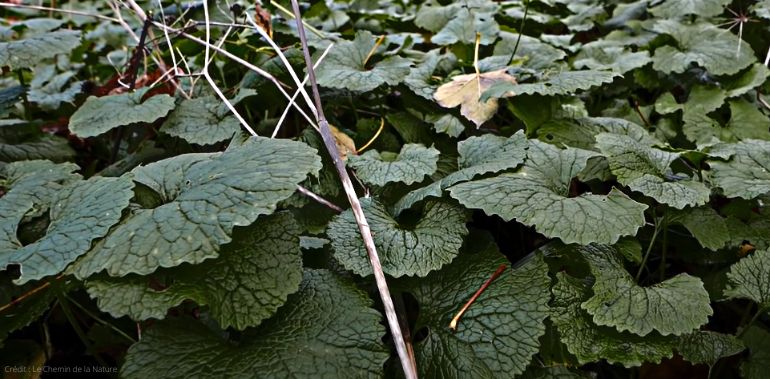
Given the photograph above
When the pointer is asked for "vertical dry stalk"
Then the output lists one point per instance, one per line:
(407, 360)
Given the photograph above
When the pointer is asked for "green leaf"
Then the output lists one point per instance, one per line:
(446, 123)
(746, 122)
(32, 50)
(327, 329)
(679, 8)
(757, 339)
(599, 56)
(47, 88)
(562, 83)
(752, 78)
(478, 155)
(419, 76)
(80, 213)
(21, 141)
(246, 284)
(675, 306)
(746, 174)
(459, 22)
(535, 53)
(204, 196)
(101, 114)
(705, 224)
(498, 334)
(708, 46)
(432, 242)
(749, 278)
(200, 121)
(11, 95)
(31, 187)
(411, 165)
(346, 66)
(590, 342)
(704, 347)
(581, 132)
(539, 195)
(647, 170)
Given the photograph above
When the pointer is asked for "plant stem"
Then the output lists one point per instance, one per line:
(649, 247)
(99, 320)
(24, 99)
(495, 275)
(664, 250)
(407, 360)
(76, 326)
(759, 312)
(521, 31)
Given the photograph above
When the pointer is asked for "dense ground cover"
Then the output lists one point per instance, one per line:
(167, 202)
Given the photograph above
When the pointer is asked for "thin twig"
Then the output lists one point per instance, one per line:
(50, 9)
(407, 361)
(377, 134)
(28, 294)
(319, 199)
(285, 62)
(213, 85)
(297, 92)
(495, 275)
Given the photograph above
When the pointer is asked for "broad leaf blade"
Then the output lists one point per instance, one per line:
(327, 329)
(204, 196)
(99, 115)
(433, 242)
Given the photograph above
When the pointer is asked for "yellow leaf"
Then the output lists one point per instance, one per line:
(465, 91)
(345, 144)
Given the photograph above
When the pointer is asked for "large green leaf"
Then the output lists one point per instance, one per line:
(102, 114)
(18, 142)
(704, 347)
(747, 173)
(430, 243)
(749, 278)
(562, 83)
(757, 339)
(590, 342)
(327, 329)
(243, 286)
(647, 170)
(704, 44)
(478, 155)
(203, 197)
(705, 224)
(676, 306)
(80, 213)
(412, 164)
(539, 195)
(459, 21)
(347, 67)
(31, 187)
(498, 334)
(201, 121)
(678, 8)
(47, 88)
(30, 51)
(599, 56)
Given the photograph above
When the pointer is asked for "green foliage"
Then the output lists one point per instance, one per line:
(615, 155)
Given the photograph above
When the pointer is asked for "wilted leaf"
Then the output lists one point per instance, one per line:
(466, 90)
